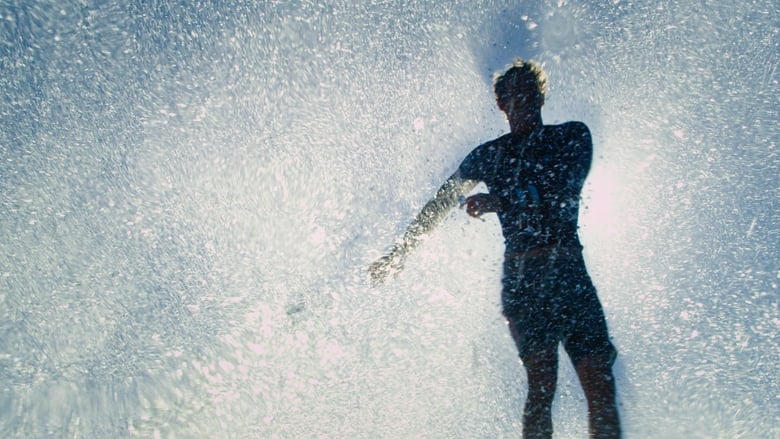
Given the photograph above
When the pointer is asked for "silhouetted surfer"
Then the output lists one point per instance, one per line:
(534, 176)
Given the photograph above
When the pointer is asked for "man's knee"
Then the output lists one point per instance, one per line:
(541, 361)
(595, 369)
(598, 357)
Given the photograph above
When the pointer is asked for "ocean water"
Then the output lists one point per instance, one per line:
(190, 194)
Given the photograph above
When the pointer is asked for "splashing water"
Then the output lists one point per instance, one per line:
(191, 193)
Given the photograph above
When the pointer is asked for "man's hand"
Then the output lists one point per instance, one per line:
(480, 204)
(382, 267)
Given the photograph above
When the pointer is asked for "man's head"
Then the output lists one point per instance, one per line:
(525, 81)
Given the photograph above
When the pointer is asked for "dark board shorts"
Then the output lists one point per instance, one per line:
(548, 297)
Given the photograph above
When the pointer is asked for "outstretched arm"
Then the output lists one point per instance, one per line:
(429, 217)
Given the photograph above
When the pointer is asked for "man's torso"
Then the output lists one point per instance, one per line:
(538, 177)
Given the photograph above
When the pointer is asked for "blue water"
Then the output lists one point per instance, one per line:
(190, 195)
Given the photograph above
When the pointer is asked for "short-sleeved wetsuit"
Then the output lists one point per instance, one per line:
(548, 296)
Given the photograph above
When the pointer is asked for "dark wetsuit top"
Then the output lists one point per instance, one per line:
(548, 296)
(538, 178)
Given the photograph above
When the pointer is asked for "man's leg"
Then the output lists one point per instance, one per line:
(598, 383)
(542, 370)
(586, 339)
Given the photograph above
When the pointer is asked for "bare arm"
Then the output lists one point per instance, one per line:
(429, 217)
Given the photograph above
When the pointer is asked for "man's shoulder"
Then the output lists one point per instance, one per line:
(570, 128)
(493, 145)
(500, 140)
(476, 163)
(571, 135)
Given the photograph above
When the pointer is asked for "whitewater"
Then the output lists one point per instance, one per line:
(191, 193)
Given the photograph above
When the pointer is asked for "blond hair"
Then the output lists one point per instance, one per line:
(521, 72)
